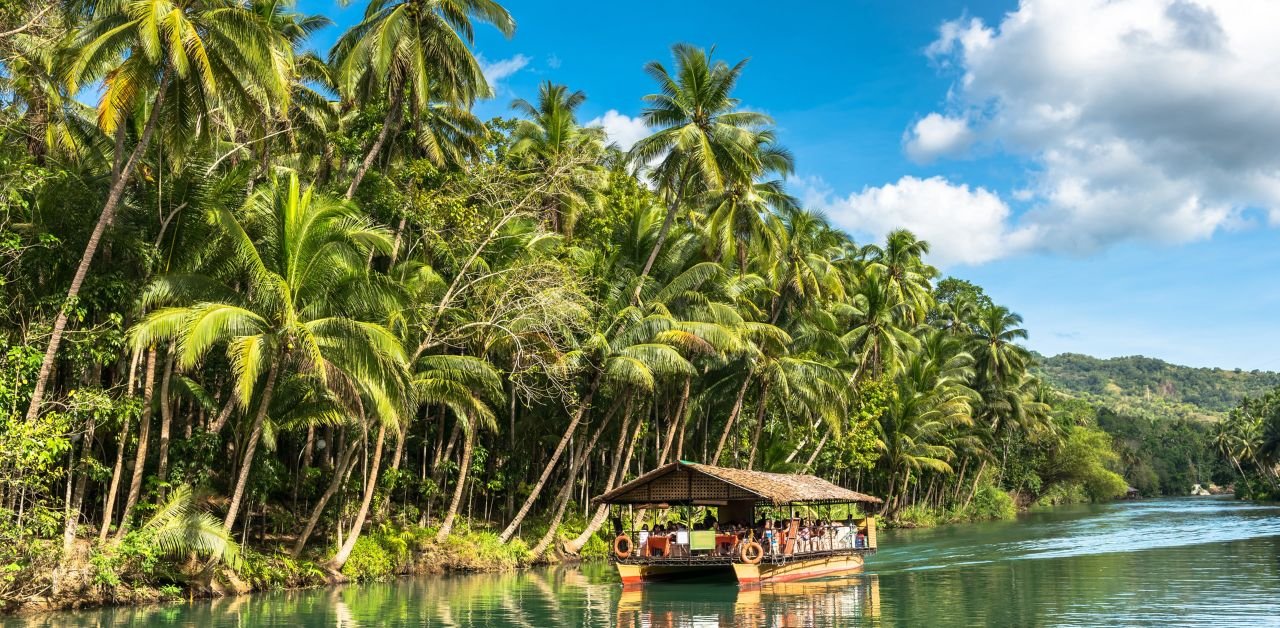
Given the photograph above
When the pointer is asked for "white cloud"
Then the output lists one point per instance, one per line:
(963, 225)
(936, 135)
(622, 129)
(1143, 119)
(496, 71)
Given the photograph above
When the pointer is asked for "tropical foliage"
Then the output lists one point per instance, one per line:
(326, 296)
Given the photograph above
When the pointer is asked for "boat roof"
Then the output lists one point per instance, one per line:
(692, 483)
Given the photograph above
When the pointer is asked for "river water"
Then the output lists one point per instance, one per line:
(1204, 561)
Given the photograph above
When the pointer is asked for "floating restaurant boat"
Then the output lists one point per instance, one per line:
(805, 546)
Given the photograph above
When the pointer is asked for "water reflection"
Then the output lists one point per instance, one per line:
(1169, 562)
(845, 601)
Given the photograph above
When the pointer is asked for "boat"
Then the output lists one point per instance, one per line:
(811, 541)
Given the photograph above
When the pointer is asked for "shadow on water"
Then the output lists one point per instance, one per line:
(1159, 562)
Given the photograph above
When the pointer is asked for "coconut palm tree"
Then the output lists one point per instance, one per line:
(702, 141)
(176, 64)
(414, 49)
(563, 155)
(307, 306)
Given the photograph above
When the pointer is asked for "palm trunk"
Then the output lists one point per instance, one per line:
(733, 416)
(562, 500)
(977, 477)
(755, 436)
(657, 245)
(72, 520)
(817, 449)
(551, 464)
(346, 461)
(614, 476)
(116, 474)
(468, 442)
(677, 422)
(166, 421)
(140, 457)
(370, 486)
(255, 434)
(392, 120)
(114, 195)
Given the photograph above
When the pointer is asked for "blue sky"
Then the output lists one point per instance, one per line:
(1102, 168)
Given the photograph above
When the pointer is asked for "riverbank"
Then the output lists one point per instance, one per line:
(114, 574)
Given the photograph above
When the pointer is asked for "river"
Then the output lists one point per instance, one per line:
(1156, 562)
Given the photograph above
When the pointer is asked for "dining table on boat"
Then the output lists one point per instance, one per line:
(726, 542)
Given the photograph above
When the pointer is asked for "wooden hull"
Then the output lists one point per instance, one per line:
(798, 570)
(795, 570)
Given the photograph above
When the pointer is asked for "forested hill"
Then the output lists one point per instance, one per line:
(1152, 387)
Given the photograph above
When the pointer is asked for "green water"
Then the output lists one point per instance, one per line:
(1161, 562)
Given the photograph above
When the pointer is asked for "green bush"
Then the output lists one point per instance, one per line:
(369, 560)
(918, 516)
(1063, 494)
(991, 503)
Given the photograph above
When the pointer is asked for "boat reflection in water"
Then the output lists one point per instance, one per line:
(843, 601)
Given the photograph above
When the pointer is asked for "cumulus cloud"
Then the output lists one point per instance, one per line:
(622, 129)
(936, 135)
(1144, 119)
(496, 71)
(963, 225)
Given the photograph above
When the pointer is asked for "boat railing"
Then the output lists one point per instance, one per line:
(727, 545)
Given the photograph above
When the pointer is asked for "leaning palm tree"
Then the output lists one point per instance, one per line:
(702, 141)
(179, 63)
(305, 307)
(419, 49)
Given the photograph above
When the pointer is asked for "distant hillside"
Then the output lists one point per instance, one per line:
(1154, 388)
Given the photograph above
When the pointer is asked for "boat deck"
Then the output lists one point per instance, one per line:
(729, 559)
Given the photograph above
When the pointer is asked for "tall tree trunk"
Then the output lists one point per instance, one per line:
(392, 120)
(144, 432)
(117, 473)
(346, 461)
(616, 472)
(562, 500)
(677, 423)
(657, 245)
(551, 464)
(166, 420)
(370, 487)
(817, 449)
(733, 417)
(72, 519)
(120, 177)
(468, 442)
(759, 427)
(255, 434)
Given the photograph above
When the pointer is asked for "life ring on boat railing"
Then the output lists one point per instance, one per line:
(622, 546)
(751, 553)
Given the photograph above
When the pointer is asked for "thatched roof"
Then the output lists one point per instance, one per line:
(690, 482)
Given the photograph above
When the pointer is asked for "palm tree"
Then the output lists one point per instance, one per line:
(702, 142)
(305, 307)
(176, 60)
(906, 275)
(414, 48)
(561, 154)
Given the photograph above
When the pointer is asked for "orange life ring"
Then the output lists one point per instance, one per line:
(623, 541)
(751, 553)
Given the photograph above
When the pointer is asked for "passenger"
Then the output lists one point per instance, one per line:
(644, 539)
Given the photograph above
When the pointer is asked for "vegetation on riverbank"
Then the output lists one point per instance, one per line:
(320, 322)
(1248, 440)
